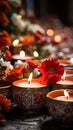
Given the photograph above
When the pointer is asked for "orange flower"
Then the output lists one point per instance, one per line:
(15, 73)
(4, 39)
(33, 64)
(8, 56)
(5, 103)
(28, 40)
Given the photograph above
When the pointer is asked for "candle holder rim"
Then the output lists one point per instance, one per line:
(7, 86)
(24, 80)
(58, 83)
(24, 58)
(56, 100)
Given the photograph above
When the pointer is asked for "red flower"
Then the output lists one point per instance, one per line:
(15, 73)
(8, 55)
(51, 71)
(33, 64)
(4, 40)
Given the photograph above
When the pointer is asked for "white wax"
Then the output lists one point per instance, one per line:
(18, 57)
(63, 98)
(31, 85)
(65, 82)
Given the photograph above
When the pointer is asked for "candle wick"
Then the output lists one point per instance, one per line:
(62, 79)
(67, 97)
(28, 82)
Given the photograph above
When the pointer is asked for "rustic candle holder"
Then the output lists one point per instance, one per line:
(32, 98)
(60, 110)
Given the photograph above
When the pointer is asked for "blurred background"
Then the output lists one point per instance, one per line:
(47, 8)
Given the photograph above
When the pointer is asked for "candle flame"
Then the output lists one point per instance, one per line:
(15, 42)
(19, 16)
(50, 32)
(22, 53)
(66, 94)
(30, 78)
(64, 75)
(36, 54)
(71, 60)
(57, 38)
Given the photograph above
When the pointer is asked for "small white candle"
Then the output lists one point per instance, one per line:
(65, 82)
(15, 42)
(65, 97)
(24, 84)
(71, 60)
(36, 54)
(21, 56)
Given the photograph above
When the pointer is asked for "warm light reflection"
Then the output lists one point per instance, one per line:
(36, 54)
(19, 62)
(15, 42)
(71, 60)
(30, 78)
(19, 16)
(22, 53)
(50, 32)
(57, 38)
(63, 76)
(66, 94)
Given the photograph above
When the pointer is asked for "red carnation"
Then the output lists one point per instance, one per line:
(51, 71)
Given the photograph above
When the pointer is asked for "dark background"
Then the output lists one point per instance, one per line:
(60, 8)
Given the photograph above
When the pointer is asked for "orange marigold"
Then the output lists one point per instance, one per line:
(28, 40)
(5, 103)
(15, 73)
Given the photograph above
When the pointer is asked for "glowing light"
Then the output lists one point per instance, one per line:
(66, 94)
(50, 32)
(22, 53)
(57, 38)
(36, 54)
(71, 60)
(30, 78)
(64, 75)
(15, 42)
(19, 16)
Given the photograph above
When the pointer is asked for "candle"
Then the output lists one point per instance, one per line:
(15, 42)
(36, 54)
(16, 47)
(66, 81)
(21, 56)
(28, 83)
(60, 105)
(31, 95)
(66, 97)
(62, 95)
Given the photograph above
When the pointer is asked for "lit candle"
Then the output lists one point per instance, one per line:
(28, 83)
(50, 32)
(65, 97)
(29, 94)
(16, 47)
(71, 60)
(36, 54)
(15, 42)
(21, 56)
(60, 104)
(65, 80)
